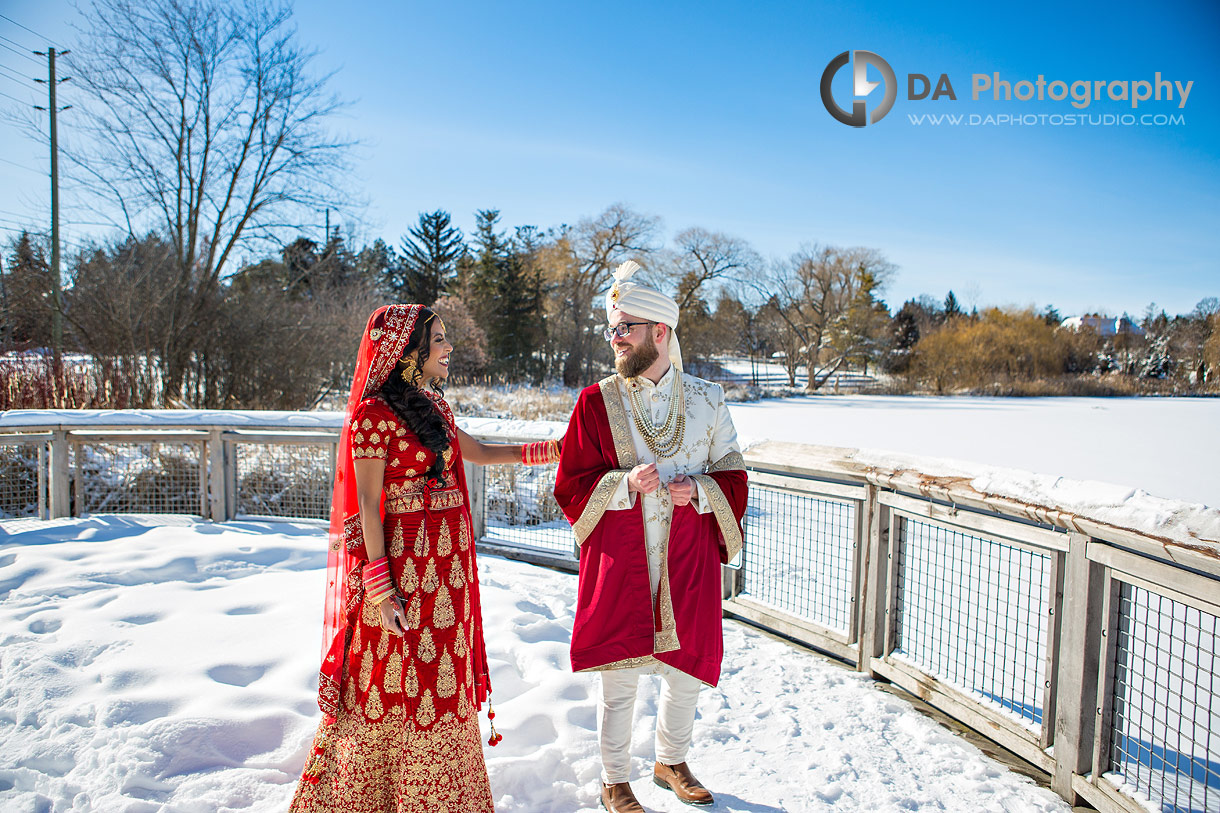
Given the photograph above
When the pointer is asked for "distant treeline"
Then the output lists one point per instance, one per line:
(523, 304)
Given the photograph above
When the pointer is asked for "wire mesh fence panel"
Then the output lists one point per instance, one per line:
(1165, 729)
(22, 475)
(293, 480)
(799, 555)
(148, 477)
(520, 508)
(972, 612)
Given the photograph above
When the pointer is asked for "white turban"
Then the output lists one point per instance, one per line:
(646, 303)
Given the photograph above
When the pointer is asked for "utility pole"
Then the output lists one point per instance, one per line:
(327, 240)
(57, 316)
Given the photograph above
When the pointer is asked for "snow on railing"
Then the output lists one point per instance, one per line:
(1073, 623)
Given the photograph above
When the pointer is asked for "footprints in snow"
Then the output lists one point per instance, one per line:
(235, 675)
(42, 626)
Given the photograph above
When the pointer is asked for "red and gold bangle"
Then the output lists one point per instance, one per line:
(540, 453)
(378, 586)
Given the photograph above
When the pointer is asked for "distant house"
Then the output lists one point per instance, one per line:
(1103, 325)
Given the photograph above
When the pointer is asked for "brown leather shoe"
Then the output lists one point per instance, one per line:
(682, 782)
(618, 798)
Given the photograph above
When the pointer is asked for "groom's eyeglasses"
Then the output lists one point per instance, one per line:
(622, 329)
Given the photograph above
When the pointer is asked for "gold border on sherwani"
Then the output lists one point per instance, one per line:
(733, 461)
(625, 663)
(620, 428)
(596, 506)
(729, 528)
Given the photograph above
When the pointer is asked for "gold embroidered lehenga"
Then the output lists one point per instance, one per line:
(400, 731)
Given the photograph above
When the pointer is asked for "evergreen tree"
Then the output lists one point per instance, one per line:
(430, 251)
(952, 308)
(505, 288)
(26, 305)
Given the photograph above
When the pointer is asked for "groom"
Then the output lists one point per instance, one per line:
(653, 482)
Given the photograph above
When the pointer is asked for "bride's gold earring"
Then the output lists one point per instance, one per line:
(409, 371)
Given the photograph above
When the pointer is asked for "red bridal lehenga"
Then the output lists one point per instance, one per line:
(400, 730)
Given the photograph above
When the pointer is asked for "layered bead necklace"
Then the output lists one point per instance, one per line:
(665, 441)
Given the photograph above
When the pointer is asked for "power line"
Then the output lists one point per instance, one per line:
(22, 166)
(16, 77)
(27, 28)
(18, 53)
(15, 99)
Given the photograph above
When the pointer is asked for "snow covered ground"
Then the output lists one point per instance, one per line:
(161, 663)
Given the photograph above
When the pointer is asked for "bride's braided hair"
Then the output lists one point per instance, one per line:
(408, 401)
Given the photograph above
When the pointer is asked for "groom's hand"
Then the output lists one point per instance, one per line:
(644, 478)
(681, 488)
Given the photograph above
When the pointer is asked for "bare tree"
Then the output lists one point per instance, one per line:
(201, 121)
(704, 256)
(593, 247)
(812, 290)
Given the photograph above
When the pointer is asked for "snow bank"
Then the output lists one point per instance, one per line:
(165, 664)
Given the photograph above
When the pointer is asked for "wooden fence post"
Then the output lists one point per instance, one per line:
(218, 501)
(61, 496)
(478, 500)
(1079, 656)
(873, 595)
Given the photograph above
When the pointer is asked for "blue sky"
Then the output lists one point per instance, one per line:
(709, 114)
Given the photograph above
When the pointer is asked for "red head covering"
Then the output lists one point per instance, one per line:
(385, 338)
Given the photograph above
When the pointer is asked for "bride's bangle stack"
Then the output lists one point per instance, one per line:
(377, 583)
(540, 453)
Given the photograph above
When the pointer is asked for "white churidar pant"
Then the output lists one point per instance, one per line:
(616, 712)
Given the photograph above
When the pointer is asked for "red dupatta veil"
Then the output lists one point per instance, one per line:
(385, 337)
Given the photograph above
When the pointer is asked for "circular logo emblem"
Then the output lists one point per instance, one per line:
(861, 87)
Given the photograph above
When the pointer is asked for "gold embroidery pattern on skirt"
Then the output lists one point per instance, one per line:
(464, 708)
(371, 615)
(466, 604)
(397, 546)
(459, 642)
(410, 579)
(359, 768)
(457, 579)
(442, 610)
(357, 642)
(430, 581)
(349, 695)
(372, 707)
(421, 541)
(413, 612)
(444, 544)
(464, 534)
(366, 671)
(446, 679)
(383, 646)
(450, 774)
(427, 646)
(393, 672)
(411, 683)
(425, 715)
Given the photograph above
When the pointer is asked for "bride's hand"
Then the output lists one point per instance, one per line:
(393, 617)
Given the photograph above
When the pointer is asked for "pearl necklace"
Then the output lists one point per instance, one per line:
(666, 441)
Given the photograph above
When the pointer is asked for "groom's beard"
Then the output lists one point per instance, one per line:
(637, 360)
